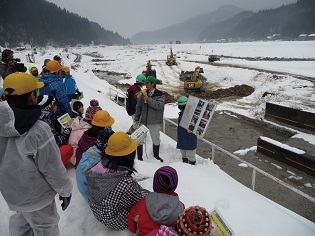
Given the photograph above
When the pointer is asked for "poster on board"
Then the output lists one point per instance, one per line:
(65, 120)
(219, 225)
(197, 115)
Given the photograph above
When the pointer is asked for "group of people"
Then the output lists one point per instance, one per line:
(146, 106)
(32, 169)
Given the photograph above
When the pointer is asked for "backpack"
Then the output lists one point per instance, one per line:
(131, 103)
(70, 85)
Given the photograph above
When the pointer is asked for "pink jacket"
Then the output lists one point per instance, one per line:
(79, 126)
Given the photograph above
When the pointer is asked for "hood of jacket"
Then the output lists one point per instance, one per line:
(100, 185)
(79, 124)
(16, 121)
(134, 87)
(164, 209)
(48, 78)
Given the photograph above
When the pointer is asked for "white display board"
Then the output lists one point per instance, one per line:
(197, 115)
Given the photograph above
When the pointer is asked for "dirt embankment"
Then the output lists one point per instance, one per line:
(236, 91)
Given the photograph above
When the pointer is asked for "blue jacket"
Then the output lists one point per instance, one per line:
(185, 140)
(55, 87)
(90, 157)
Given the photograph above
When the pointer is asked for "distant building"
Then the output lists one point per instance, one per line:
(221, 40)
(311, 36)
(306, 37)
(178, 42)
(274, 37)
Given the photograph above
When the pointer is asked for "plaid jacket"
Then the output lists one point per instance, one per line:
(55, 87)
(111, 197)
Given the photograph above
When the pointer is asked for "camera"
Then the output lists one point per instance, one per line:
(15, 63)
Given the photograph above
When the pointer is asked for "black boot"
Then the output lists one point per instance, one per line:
(156, 150)
(140, 152)
(185, 160)
(192, 162)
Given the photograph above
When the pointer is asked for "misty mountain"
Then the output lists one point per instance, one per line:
(189, 30)
(286, 22)
(222, 29)
(39, 22)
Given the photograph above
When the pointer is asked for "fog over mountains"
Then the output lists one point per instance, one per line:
(234, 24)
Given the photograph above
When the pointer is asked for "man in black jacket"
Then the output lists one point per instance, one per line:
(9, 65)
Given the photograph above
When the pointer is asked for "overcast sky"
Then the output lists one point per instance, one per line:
(128, 17)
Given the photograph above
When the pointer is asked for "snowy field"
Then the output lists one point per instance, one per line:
(247, 212)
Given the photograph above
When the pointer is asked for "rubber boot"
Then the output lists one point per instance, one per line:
(156, 150)
(192, 162)
(140, 152)
(185, 160)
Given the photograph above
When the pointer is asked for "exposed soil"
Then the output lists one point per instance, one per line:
(173, 92)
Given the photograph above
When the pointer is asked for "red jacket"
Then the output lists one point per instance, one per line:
(154, 210)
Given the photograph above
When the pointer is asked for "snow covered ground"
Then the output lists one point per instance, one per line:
(247, 212)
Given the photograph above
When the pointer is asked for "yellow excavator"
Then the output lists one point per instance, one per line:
(193, 80)
(150, 71)
(171, 59)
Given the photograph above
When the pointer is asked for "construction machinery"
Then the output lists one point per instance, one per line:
(171, 59)
(213, 58)
(150, 71)
(193, 80)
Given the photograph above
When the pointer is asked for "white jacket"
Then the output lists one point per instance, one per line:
(31, 171)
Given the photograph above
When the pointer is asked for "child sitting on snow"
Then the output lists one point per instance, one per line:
(160, 207)
(91, 157)
(192, 221)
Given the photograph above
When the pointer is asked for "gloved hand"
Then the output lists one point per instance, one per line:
(65, 201)
(66, 131)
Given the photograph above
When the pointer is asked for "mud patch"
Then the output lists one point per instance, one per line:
(236, 91)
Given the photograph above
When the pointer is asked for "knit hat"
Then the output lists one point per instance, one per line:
(120, 144)
(165, 180)
(20, 83)
(103, 137)
(57, 58)
(193, 221)
(76, 105)
(92, 109)
(102, 119)
(94, 103)
(45, 102)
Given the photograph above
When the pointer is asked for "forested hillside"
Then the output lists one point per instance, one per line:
(39, 22)
(229, 23)
(288, 22)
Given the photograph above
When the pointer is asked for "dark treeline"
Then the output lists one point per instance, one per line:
(287, 21)
(40, 23)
